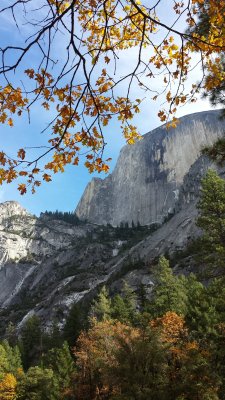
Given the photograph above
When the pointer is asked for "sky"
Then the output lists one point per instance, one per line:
(66, 189)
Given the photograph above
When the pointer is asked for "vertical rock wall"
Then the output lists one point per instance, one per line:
(148, 176)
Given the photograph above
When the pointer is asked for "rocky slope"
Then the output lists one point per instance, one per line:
(46, 264)
(148, 176)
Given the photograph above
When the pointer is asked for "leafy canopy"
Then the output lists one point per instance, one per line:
(83, 88)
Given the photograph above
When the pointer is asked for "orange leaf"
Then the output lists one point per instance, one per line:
(21, 154)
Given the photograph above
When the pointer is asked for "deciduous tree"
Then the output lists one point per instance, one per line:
(83, 88)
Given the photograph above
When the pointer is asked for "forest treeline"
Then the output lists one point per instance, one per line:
(168, 345)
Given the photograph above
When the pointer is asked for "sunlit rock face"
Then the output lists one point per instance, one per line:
(148, 176)
(46, 265)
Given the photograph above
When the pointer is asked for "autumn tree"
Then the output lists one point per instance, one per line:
(141, 370)
(84, 88)
(8, 387)
(10, 371)
(95, 354)
(190, 372)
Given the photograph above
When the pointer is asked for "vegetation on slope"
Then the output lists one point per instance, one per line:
(129, 346)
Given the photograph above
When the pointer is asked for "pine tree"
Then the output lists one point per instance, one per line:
(130, 301)
(169, 292)
(76, 321)
(101, 308)
(63, 366)
(31, 341)
(11, 334)
(4, 362)
(212, 219)
(37, 384)
(124, 306)
(14, 358)
(119, 309)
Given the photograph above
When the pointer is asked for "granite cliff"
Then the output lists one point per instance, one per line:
(148, 176)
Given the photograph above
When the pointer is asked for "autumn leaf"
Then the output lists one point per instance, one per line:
(10, 122)
(107, 60)
(22, 188)
(21, 154)
(47, 177)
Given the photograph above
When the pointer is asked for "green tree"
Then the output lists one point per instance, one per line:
(63, 366)
(37, 384)
(169, 292)
(14, 360)
(4, 362)
(119, 310)
(31, 341)
(11, 334)
(101, 308)
(212, 219)
(124, 306)
(77, 320)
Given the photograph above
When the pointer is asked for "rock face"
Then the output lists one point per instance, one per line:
(148, 176)
(47, 264)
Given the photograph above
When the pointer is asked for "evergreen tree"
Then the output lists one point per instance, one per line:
(169, 292)
(130, 301)
(31, 341)
(4, 362)
(11, 334)
(124, 306)
(101, 308)
(52, 339)
(119, 309)
(37, 384)
(212, 219)
(77, 320)
(13, 357)
(63, 366)
(142, 297)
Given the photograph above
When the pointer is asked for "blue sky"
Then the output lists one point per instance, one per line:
(64, 192)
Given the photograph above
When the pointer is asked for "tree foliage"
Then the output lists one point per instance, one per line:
(212, 218)
(167, 347)
(169, 292)
(85, 88)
